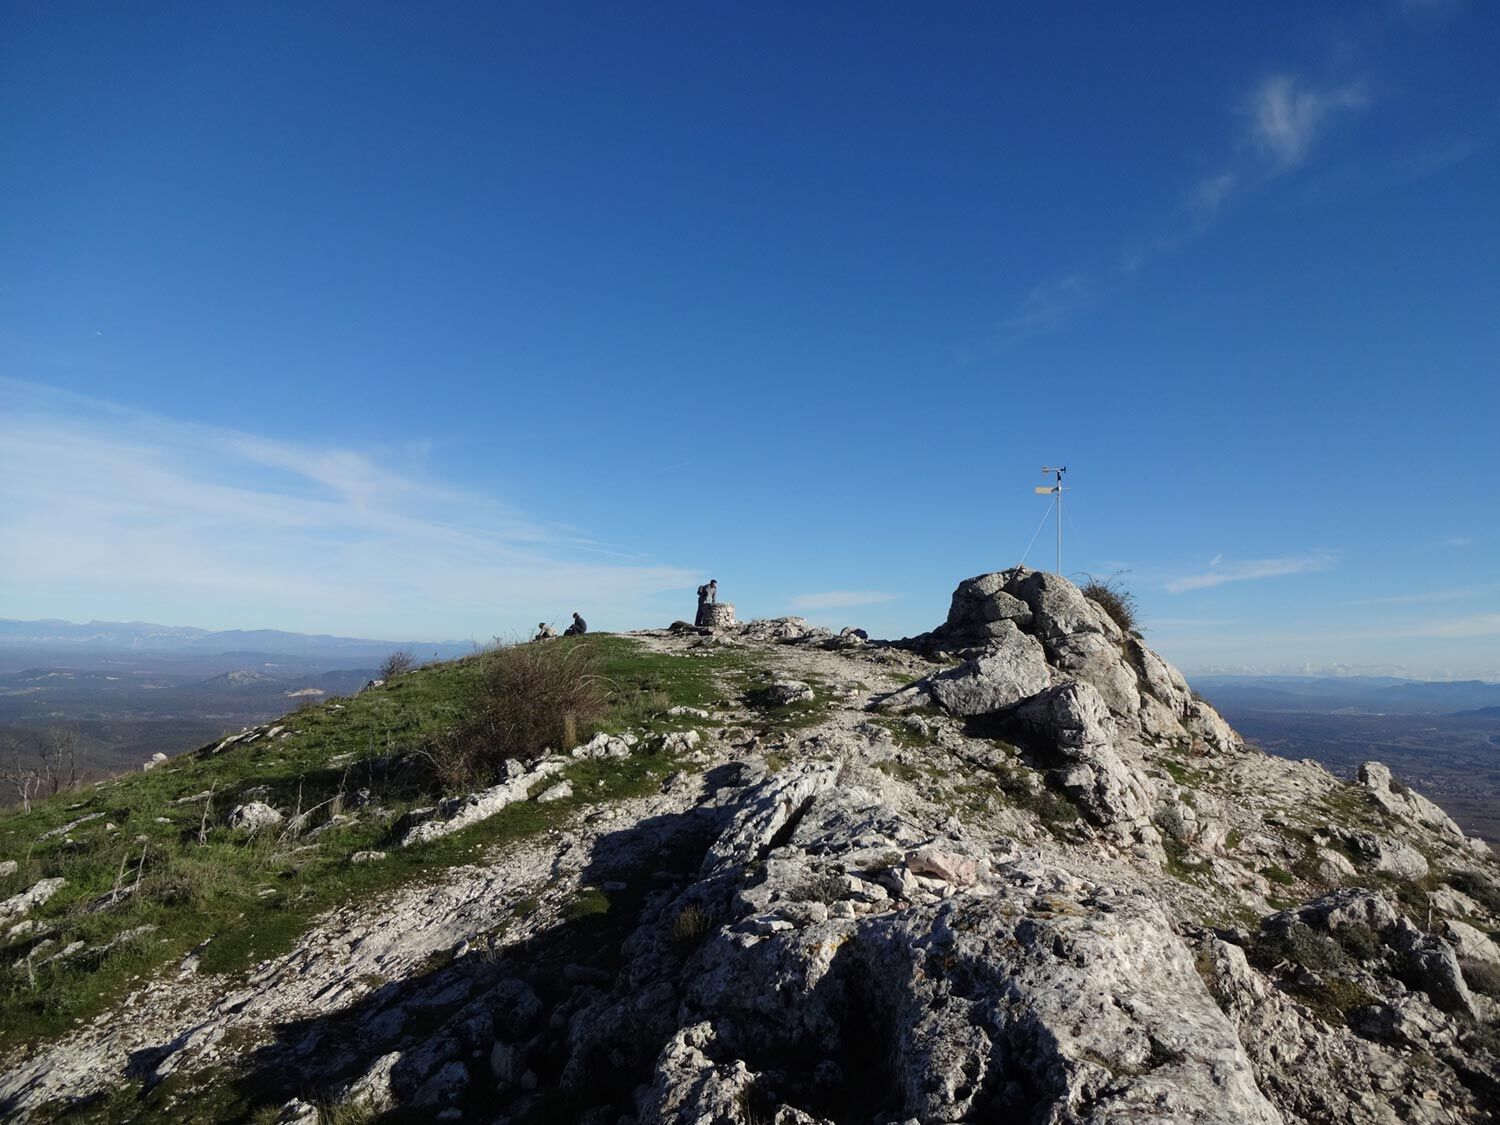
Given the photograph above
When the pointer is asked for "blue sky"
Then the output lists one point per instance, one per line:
(437, 320)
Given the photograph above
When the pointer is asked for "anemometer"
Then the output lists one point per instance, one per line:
(1055, 490)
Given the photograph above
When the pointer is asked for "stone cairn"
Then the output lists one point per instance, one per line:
(718, 615)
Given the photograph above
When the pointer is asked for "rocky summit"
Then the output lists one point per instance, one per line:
(1013, 869)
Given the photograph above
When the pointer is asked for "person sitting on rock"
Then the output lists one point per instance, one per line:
(578, 628)
(544, 631)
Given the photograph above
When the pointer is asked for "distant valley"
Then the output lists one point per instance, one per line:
(132, 689)
(1443, 738)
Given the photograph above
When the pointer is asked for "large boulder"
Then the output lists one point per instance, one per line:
(1471, 944)
(1396, 799)
(1386, 855)
(1160, 679)
(253, 817)
(1096, 659)
(1079, 637)
(1011, 667)
(1433, 964)
(980, 604)
(1059, 609)
(1073, 720)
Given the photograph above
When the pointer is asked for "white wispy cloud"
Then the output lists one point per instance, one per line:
(1208, 197)
(1288, 114)
(839, 599)
(1251, 569)
(1458, 541)
(1285, 115)
(115, 512)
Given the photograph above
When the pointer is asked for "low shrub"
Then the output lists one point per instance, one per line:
(1170, 820)
(1359, 941)
(1476, 886)
(690, 926)
(531, 698)
(1110, 595)
(1298, 944)
(1481, 976)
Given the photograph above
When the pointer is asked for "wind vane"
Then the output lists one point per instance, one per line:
(1055, 490)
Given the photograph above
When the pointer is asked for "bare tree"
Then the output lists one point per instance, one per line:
(16, 773)
(57, 749)
(53, 764)
(397, 663)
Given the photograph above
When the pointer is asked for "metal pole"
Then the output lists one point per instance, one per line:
(1059, 524)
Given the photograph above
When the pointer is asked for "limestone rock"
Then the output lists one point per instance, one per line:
(1387, 855)
(784, 692)
(1097, 660)
(602, 745)
(1400, 801)
(1075, 720)
(1471, 944)
(680, 741)
(19, 905)
(253, 817)
(480, 806)
(960, 870)
(1334, 867)
(1059, 609)
(1434, 965)
(981, 602)
(775, 629)
(1010, 668)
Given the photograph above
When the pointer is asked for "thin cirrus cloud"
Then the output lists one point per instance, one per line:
(839, 599)
(1288, 115)
(1284, 116)
(109, 511)
(1250, 570)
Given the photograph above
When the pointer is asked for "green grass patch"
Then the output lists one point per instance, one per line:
(1180, 864)
(590, 901)
(771, 717)
(1050, 805)
(901, 771)
(1184, 774)
(251, 898)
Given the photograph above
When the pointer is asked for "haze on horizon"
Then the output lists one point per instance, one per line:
(384, 322)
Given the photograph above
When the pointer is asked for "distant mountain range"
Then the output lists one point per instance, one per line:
(1353, 694)
(144, 637)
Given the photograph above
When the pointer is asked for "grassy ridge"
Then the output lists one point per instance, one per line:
(250, 898)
